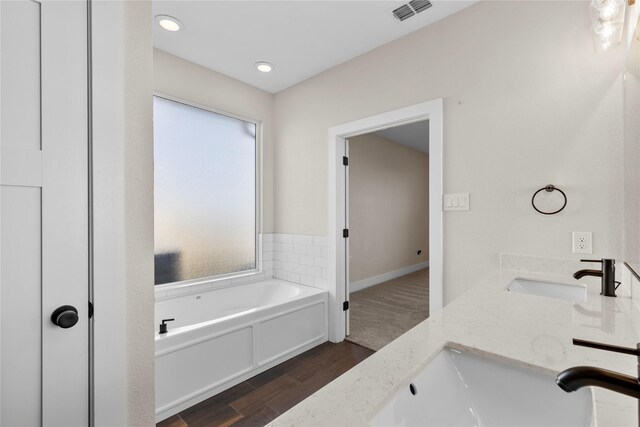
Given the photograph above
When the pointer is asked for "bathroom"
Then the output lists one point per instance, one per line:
(518, 96)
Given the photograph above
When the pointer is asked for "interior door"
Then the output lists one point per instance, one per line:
(346, 241)
(44, 232)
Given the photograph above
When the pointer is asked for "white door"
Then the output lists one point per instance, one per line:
(44, 233)
(346, 240)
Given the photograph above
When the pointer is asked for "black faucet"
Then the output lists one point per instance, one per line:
(163, 325)
(608, 274)
(577, 377)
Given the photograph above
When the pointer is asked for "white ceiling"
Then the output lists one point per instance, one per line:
(300, 38)
(413, 135)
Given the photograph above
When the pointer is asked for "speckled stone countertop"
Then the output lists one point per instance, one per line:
(527, 330)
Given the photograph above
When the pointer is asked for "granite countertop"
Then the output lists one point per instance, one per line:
(528, 330)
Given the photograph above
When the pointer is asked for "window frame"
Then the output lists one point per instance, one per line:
(187, 284)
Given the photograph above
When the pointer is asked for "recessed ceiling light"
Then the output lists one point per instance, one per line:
(169, 23)
(264, 67)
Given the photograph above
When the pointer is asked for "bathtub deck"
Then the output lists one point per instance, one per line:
(260, 399)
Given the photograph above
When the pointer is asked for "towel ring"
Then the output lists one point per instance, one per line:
(549, 188)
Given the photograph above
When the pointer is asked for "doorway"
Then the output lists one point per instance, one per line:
(387, 205)
(338, 215)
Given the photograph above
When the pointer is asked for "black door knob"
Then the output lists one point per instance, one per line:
(65, 316)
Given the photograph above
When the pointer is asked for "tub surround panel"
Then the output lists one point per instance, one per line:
(178, 380)
(276, 338)
(249, 328)
(531, 331)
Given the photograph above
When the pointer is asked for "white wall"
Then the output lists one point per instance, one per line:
(186, 80)
(388, 207)
(632, 153)
(123, 213)
(527, 102)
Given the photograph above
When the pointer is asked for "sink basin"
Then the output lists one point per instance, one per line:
(577, 292)
(461, 389)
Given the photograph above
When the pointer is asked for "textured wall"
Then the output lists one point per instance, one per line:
(138, 210)
(123, 213)
(527, 102)
(388, 206)
(632, 153)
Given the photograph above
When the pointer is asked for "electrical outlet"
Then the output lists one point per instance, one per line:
(582, 243)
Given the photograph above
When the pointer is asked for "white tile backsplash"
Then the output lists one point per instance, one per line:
(320, 261)
(298, 258)
(300, 239)
(267, 238)
(282, 238)
(314, 271)
(314, 251)
(306, 259)
(321, 241)
(306, 280)
(299, 268)
(283, 247)
(300, 249)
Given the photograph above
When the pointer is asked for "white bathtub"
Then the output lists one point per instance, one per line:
(223, 336)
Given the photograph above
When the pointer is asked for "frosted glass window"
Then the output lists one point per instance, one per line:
(205, 193)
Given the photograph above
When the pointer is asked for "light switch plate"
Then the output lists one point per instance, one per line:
(456, 202)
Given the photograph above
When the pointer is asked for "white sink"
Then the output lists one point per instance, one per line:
(461, 389)
(577, 292)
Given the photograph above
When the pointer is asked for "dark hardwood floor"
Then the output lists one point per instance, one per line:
(259, 400)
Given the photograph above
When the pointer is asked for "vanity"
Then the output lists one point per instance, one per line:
(491, 357)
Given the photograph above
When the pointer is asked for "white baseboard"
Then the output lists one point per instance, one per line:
(375, 280)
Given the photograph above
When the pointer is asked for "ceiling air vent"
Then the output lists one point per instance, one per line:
(408, 10)
(420, 5)
(403, 12)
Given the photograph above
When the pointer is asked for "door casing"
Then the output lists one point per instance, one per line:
(432, 111)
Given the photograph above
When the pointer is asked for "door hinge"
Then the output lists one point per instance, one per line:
(345, 233)
(90, 309)
(345, 306)
(345, 160)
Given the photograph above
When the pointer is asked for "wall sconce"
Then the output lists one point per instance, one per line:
(607, 17)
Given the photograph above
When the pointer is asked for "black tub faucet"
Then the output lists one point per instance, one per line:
(608, 275)
(577, 377)
(163, 325)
